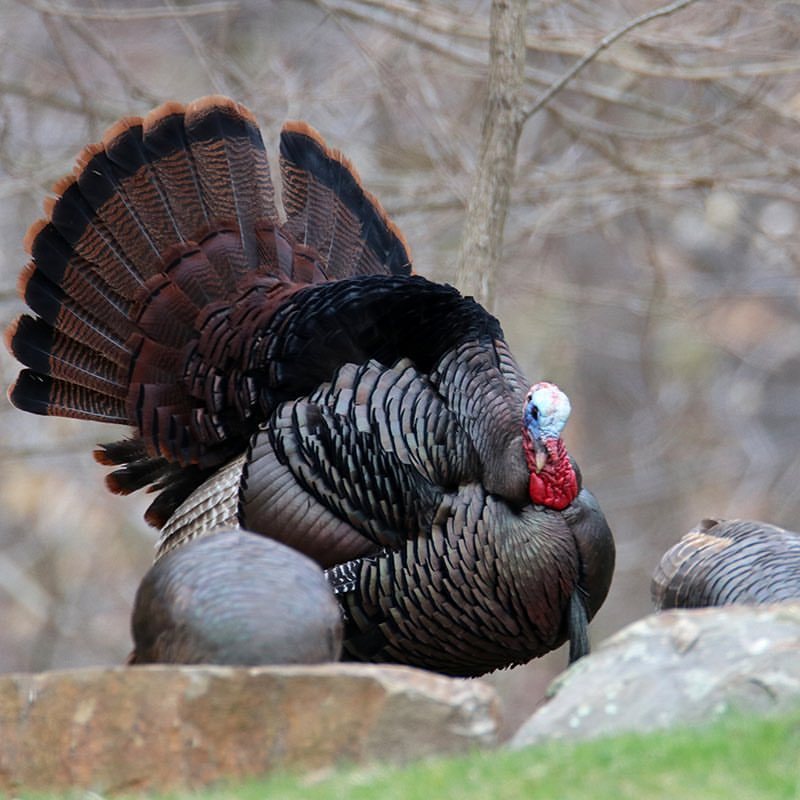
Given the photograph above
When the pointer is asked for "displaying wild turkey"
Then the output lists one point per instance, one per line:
(729, 561)
(287, 374)
(234, 597)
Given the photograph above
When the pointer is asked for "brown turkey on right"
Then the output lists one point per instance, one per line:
(285, 372)
(729, 561)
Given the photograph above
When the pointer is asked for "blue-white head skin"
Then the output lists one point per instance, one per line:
(553, 482)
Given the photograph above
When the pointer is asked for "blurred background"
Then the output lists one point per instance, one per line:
(651, 268)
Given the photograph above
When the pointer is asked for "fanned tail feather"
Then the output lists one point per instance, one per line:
(160, 259)
(328, 208)
(237, 186)
(134, 208)
(41, 394)
(49, 352)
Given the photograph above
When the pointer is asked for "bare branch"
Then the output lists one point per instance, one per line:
(67, 58)
(131, 14)
(97, 43)
(53, 99)
(481, 244)
(426, 30)
(197, 46)
(447, 34)
(604, 44)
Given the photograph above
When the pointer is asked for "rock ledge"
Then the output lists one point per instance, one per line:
(676, 668)
(162, 727)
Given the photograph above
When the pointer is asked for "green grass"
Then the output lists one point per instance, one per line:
(735, 759)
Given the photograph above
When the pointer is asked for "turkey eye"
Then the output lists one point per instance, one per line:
(535, 412)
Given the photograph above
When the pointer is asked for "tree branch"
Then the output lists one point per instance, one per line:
(481, 243)
(604, 44)
(130, 14)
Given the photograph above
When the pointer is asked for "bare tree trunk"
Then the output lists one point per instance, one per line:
(482, 240)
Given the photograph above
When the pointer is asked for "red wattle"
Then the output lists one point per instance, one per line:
(556, 486)
(550, 494)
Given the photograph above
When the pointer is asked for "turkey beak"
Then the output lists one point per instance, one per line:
(540, 455)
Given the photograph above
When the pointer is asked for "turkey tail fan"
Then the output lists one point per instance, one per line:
(159, 220)
(233, 171)
(159, 261)
(328, 208)
(145, 194)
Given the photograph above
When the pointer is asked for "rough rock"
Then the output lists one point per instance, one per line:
(165, 727)
(676, 668)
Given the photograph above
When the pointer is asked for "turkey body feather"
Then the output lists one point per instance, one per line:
(729, 561)
(286, 373)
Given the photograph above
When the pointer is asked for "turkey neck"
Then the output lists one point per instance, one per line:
(474, 379)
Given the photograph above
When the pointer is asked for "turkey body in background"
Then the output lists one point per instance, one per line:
(729, 561)
(285, 373)
(236, 598)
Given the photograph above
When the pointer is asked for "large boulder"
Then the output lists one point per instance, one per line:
(676, 668)
(165, 727)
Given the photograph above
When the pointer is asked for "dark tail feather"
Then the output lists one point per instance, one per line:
(175, 482)
(232, 168)
(160, 279)
(168, 151)
(328, 208)
(133, 209)
(49, 352)
(40, 394)
(76, 318)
